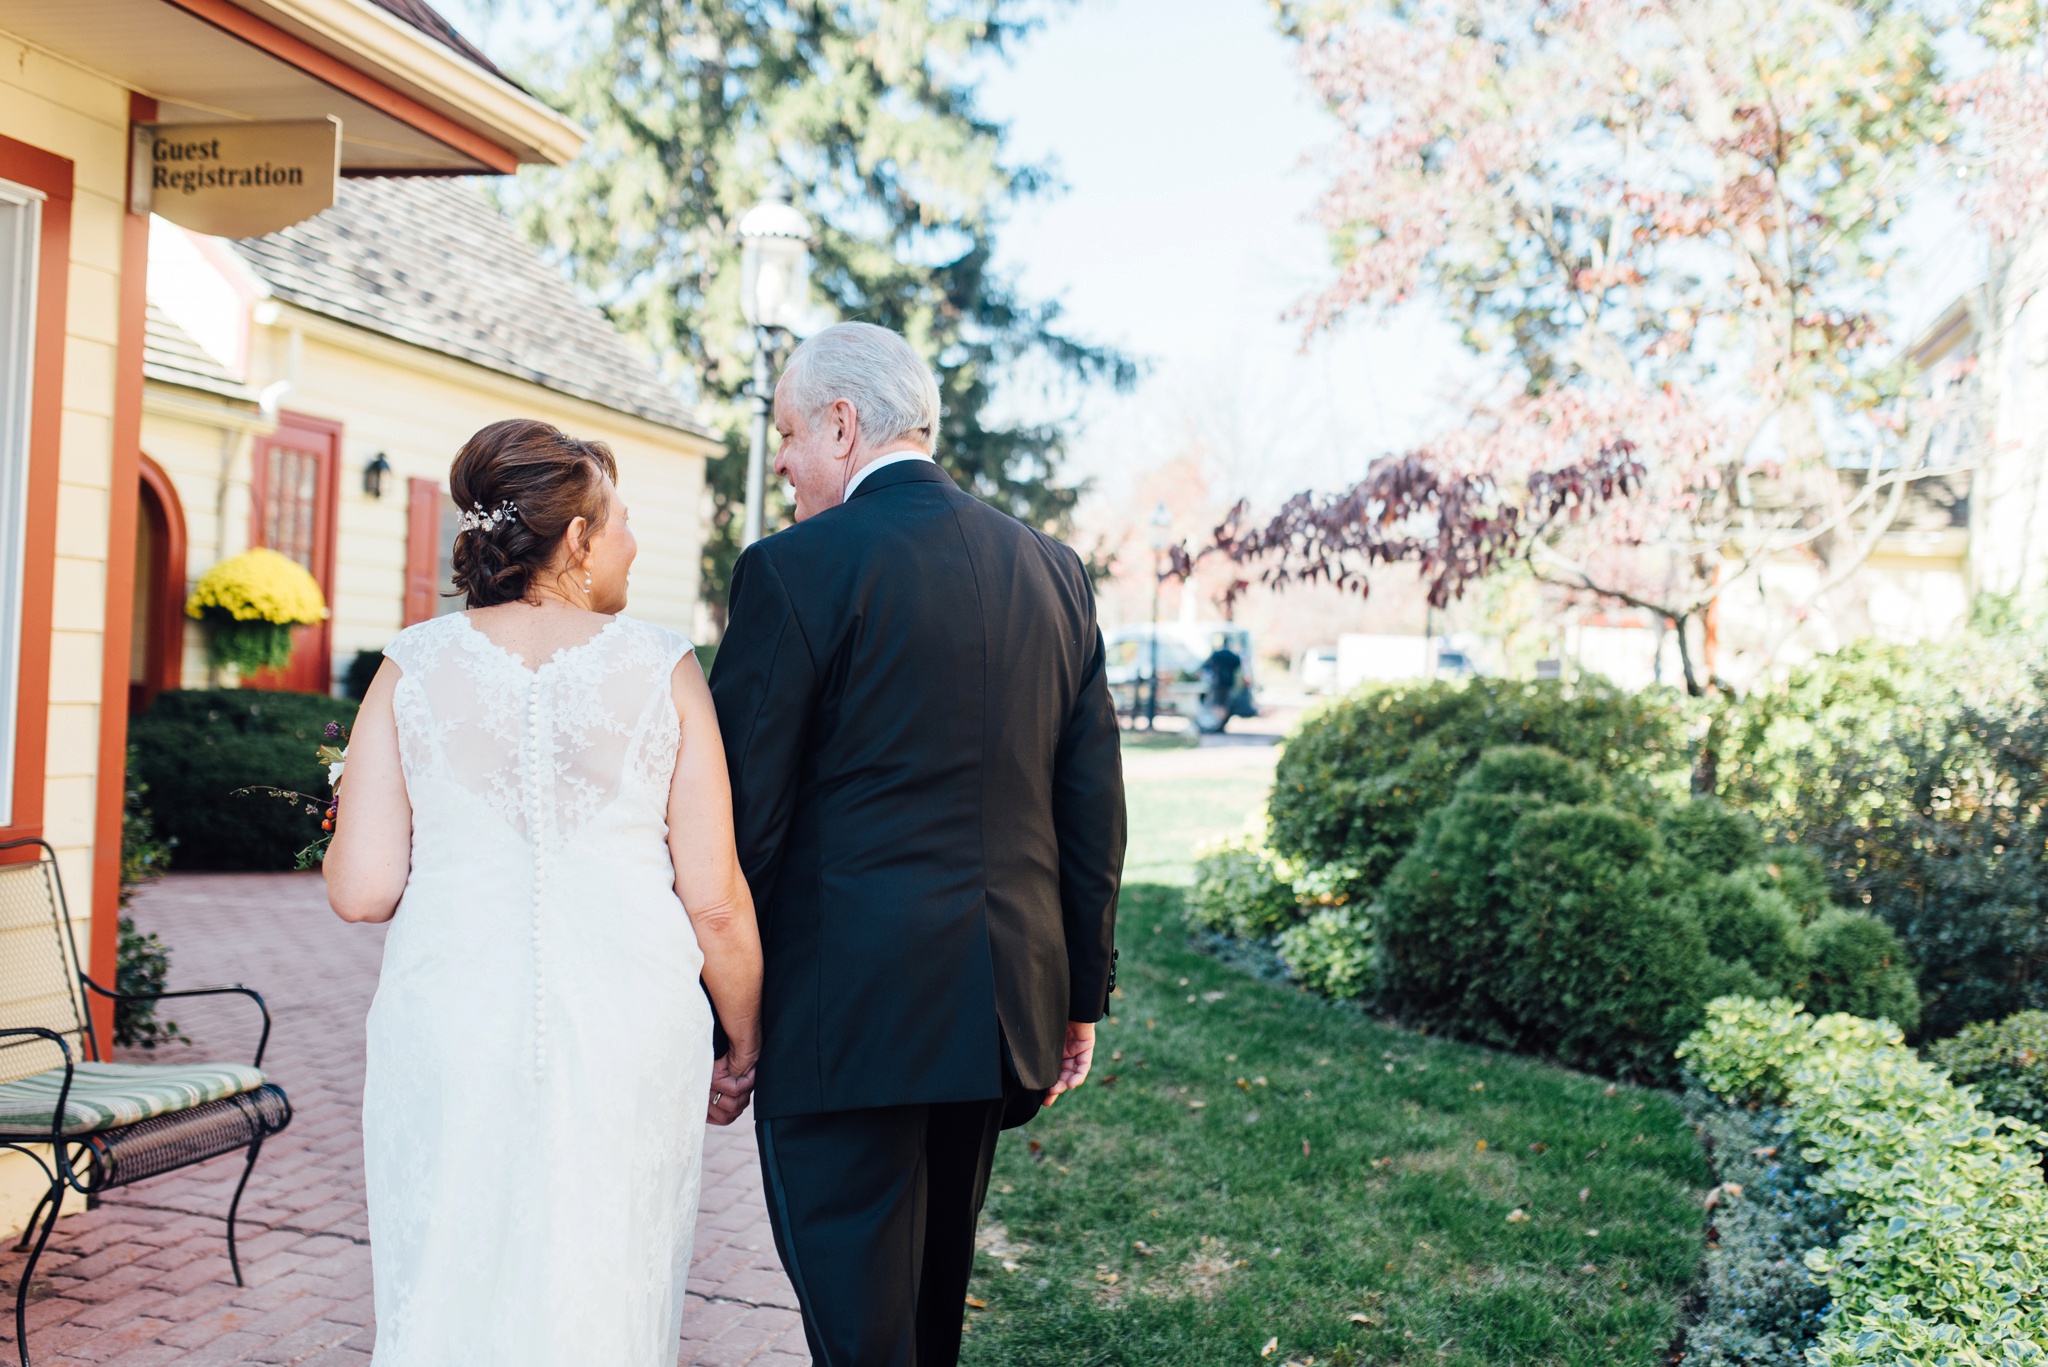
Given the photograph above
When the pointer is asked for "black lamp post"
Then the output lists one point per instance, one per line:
(1162, 530)
(775, 271)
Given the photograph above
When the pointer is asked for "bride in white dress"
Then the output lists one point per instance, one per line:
(536, 798)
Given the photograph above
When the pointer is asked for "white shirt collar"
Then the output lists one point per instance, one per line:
(893, 458)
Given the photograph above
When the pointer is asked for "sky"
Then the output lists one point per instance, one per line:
(1181, 134)
(1185, 139)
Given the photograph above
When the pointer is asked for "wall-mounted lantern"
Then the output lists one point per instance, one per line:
(373, 475)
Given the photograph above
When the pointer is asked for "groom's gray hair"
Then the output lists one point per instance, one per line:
(890, 387)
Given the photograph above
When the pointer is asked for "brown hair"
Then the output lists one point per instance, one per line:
(550, 477)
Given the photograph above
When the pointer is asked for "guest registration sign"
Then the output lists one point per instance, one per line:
(235, 179)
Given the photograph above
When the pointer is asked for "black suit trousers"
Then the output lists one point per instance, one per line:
(874, 1214)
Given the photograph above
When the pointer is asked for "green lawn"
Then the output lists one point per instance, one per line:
(1251, 1164)
(1171, 817)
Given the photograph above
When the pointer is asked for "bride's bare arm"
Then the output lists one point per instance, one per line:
(708, 879)
(367, 865)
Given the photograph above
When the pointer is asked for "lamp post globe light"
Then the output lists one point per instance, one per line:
(775, 274)
(1162, 537)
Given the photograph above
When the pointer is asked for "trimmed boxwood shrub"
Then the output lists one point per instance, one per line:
(2006, 1061)
(194, 748)
(1603, 969)
(1358, 778)
(1532, 914)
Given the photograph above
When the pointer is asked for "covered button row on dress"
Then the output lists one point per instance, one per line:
(536, 827)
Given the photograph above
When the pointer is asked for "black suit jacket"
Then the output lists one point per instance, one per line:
(928, 796)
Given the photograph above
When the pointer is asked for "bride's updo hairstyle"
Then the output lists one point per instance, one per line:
(548, 477)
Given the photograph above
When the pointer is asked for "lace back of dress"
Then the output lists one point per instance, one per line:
(546, 749)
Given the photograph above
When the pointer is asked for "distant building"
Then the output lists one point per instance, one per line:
(307, 391)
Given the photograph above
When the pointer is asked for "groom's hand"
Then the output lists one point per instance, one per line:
(730, 1091)
(1075, 1057)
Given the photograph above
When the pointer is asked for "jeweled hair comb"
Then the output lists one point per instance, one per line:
(477, 520)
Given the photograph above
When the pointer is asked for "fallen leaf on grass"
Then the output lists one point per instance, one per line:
(1143, 1247)
(1196, 1105)
(1366, 1320)
(1589, 1269)
(1481, 1148)
(1584, 1192)
(1517, 1216)
(1304, 1148)
(974, 1304)
(1214, 996)
(1272, 1347)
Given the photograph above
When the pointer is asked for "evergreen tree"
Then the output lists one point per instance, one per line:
(864, 109)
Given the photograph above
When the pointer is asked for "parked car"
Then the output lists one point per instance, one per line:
(1188, 661)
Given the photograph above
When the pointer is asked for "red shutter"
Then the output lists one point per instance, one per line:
(422, 547)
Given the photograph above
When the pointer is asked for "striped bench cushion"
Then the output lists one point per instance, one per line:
(106, 1096)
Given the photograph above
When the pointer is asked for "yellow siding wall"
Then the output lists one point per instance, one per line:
(70, 112)
(418, 408)
(195, 437)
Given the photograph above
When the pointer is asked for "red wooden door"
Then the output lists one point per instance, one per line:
(292, 496)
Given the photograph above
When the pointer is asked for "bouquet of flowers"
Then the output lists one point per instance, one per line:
(334, 754)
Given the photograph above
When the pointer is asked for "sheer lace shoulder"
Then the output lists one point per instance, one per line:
(418, 646)
(546, 748)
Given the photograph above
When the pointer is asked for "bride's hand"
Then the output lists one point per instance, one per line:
(731, 1091)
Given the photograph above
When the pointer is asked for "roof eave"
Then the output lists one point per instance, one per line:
(386, 47)
(316, 322)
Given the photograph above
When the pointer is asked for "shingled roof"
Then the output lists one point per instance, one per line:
(431, 262)
(170, 356)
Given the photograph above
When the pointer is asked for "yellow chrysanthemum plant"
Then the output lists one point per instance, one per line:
(249, 604)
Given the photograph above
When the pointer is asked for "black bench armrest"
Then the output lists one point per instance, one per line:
(231, 990)
(64, 1092)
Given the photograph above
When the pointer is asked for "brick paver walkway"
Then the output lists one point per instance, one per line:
(144, 1279)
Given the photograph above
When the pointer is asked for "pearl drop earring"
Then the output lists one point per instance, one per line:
(586, 583)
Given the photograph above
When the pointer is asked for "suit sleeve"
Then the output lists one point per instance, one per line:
(1088, 815)
(763, 684)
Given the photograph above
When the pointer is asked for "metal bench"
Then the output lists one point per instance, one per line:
(92, 1125)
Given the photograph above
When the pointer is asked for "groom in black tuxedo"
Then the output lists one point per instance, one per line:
(929, 805)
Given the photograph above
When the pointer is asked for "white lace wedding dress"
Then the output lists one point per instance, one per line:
(539, 1049)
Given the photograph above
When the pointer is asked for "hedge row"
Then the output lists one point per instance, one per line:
(1543, 909)
(196, 748)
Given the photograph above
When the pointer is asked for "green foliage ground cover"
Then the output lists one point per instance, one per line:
(1402, 1209)
(1945, 1258)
